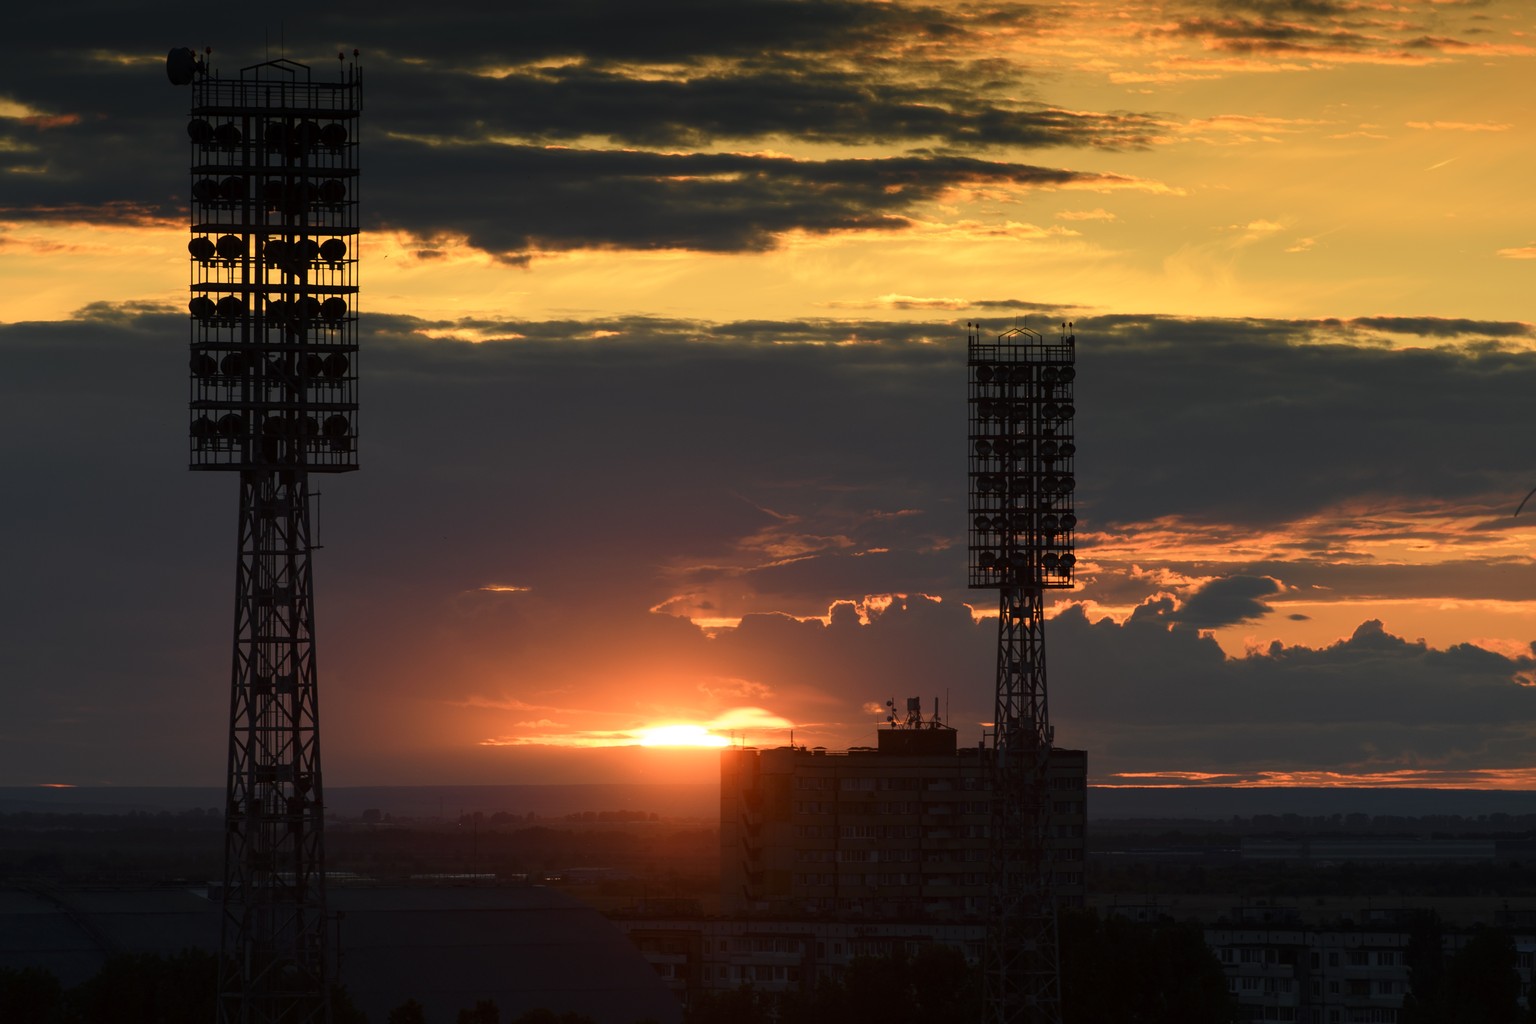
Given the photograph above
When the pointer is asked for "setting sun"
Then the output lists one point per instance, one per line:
(681, 736)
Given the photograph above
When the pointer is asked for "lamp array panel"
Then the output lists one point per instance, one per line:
(1022, 475)
(274, 271)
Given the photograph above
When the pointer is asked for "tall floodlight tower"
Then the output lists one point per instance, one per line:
(274, 399)
(1022, 521)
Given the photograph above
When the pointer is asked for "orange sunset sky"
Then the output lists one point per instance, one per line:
(663, 394)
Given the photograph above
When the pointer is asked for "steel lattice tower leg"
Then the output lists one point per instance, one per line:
(274, 931)
(1021, 538)
(1021, 970)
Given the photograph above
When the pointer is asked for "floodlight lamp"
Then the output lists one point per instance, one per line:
(984, 373)
(201, 306)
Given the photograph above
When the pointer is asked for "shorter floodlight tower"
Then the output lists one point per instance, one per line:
(1020, 539)
(273, 263)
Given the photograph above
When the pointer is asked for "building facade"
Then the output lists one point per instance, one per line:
(1279, 969)
(895, 832)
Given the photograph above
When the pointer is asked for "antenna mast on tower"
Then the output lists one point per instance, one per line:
(1020, 539)
(273, 399)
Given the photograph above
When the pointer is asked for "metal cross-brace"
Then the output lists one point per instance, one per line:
(274, 924)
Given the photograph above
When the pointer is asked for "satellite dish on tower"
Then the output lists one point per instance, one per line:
(182, 65)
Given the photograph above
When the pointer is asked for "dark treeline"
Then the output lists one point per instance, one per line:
(182, 989)
(1112, 972)
(1479, 983)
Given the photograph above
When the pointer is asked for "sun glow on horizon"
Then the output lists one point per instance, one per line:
(681, 736)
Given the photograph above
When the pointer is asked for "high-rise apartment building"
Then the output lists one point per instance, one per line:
(898, 831)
